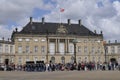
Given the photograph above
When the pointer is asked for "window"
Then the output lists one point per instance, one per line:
(93, 59)
(12, 60)
(33, 27)
(112, 49)
(118, 51)
(36, 49)
(52, 48)
(20, 40)
(43, 49)
(35, 59)
(6, 49)
(1, 48)
(93, 50)
(85, 41)
(27, 58)
(27, 40)
(27, 49)
(86, 59)
(71, 48)
(61, 48)
(79, 59)
(43, 40)
(98, 50)
(43, 58)
(85, 49)
(19, 49)
(35, 40)
(99, 59)
(79, 49)
(20, 60)
(93, 41)
(11, 49)
(0, 59)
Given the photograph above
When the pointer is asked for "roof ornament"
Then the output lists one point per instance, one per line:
(61, 29)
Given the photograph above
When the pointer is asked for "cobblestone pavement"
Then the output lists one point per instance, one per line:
(60, 75)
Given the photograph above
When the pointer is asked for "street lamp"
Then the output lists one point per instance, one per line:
(75, 41)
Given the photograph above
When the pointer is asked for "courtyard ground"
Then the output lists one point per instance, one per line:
(60, 75)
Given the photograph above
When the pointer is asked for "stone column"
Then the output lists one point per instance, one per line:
(47, 51)
(68, 46)
(58, 45)
(48, 46)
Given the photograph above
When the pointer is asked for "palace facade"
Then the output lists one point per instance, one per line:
(57, 42)
(112, 51)
(7, 51)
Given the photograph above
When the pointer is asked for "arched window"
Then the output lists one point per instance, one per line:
(72, 59)
(63, 60)
(79, 60)
(53, 59)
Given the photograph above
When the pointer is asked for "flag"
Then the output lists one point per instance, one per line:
(61, 10)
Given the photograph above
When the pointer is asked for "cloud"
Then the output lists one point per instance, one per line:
(13, 10)
(95, 14)
(17, 12)
(4, 32)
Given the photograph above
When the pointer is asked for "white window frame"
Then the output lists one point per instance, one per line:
(27, 49)
(19, 39)
(36, 49)
(1, 48)
(42, 49)
(79, 49)
(19, 49)
(6, 48)
(27, 40)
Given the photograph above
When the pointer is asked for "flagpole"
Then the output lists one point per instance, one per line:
(60, 16)
(61, 10)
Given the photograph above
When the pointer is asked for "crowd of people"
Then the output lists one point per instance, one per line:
(40, 66)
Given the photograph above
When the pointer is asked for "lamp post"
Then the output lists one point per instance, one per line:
(75, 41)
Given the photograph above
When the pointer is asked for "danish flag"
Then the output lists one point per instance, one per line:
(62, 10)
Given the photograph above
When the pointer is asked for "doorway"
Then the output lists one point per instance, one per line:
(6, 61)
(113, 60)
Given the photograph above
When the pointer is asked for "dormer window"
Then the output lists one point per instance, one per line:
(33, 27)
(35, 40)
(27, 40)
(19, 39)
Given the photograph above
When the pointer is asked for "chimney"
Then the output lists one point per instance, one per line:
(79, 21)
(115, 41)
(101, 32)
(43, 20)
(3, 38)
(69, 22)
(30, 20)
(109, 41)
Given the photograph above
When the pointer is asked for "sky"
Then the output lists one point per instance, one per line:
(99, 15)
